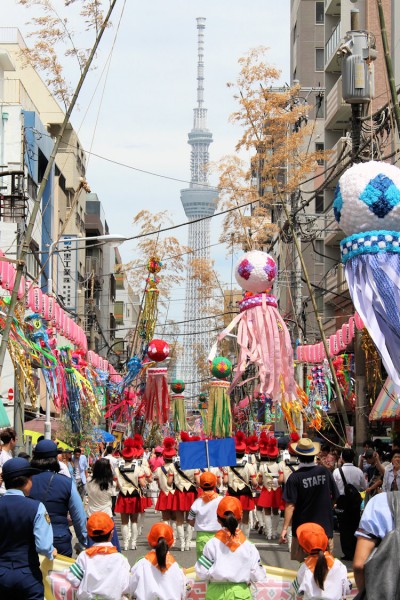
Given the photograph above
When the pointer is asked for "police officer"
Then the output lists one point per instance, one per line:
(60, 497)
(25, 532)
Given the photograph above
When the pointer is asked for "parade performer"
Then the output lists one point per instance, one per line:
(229, 561)
(321, 575)
(203, 512)
(165, 479)
(183, 498)
(131, 501)
(157, 574)
(241, 480)
(367, 208)
(60, 497)
(144, 463)
(271, 494)
(100, 571)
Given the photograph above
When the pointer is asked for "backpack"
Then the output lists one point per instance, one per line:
(382, 573)
(352, 497)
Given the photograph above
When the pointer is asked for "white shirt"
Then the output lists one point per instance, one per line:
(105, 575)
(5, 455)
(98, 500)
(336, 584)
(205, 514)
(149, 583)
(64, 469)
(241, 566)
(353, 475)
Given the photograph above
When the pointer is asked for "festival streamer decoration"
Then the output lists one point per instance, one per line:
(179, 412)
(318, 391)
(262, 335)
(156, 398)
(219, 416)
(150, 310)
(367, 208)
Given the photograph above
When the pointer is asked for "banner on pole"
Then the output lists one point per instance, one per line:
(221, 453)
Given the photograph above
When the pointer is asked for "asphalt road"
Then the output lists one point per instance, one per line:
(271, 552)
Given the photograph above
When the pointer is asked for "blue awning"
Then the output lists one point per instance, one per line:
(103, 436)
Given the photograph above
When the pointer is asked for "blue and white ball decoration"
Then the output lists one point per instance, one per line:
(367, 208)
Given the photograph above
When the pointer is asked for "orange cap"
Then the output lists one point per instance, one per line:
(230, 504)
(99, 523)
(158, 531)
(312, 537)
(208, 481)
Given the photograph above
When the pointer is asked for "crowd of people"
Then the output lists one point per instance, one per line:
(292, 490)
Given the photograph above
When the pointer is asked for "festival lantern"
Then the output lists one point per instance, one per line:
(262, 336)
(367, 208)
(178, 386)
(158, 350)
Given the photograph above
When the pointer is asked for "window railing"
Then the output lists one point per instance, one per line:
(333, 43)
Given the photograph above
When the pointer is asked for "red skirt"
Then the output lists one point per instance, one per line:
(247, 502)
(164, 501)
(183, 501)
(131, 504)
(270, 498)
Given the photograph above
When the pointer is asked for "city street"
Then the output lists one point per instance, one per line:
(271, 552)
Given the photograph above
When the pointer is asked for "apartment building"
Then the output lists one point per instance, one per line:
(318, 30)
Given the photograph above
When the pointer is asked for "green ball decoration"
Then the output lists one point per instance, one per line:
(177, 386)
(221, 367)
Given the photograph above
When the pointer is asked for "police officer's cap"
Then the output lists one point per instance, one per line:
(46, 449)
(17, 467)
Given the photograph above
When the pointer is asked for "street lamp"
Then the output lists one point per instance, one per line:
(114, 240)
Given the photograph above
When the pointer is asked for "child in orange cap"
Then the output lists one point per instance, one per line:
(94, 571)
(158, 575)
(203, 512)
(230, 563)
(321, 576)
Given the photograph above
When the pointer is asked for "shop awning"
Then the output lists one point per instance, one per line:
(36, 434)
(4, 420)
(387, 405)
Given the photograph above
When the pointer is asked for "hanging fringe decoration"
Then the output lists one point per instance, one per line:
(149, 314)
(179, 412)
(156, 395)
(219, 416)
(367, 208)
(262, 335)
(373, 376)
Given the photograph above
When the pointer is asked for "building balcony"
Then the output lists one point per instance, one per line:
(332, 62)
(336, 284)
(335, 235)
(338, 112)
(339, 154)
(332, 7)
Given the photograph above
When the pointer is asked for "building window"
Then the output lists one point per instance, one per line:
(319, 59)
(319, 147)
(319, 203)
(319, 251)
(319, 13)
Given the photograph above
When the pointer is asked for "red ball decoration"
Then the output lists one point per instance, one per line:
(158, 350)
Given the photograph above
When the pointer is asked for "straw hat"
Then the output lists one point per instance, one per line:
(305, 447)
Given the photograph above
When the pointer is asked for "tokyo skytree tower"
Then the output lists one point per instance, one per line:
(199, 200)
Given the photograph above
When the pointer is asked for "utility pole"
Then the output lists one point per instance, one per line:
(361, 417)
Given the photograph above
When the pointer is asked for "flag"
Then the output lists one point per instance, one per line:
(221, 453)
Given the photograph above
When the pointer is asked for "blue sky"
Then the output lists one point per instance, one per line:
(143, 114)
